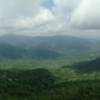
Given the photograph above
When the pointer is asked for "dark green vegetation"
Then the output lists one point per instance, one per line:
(40, 84)
(89, 66)
(24, 82)
(49, 68)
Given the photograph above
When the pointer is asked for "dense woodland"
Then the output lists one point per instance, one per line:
(40, 84)
(49, 68)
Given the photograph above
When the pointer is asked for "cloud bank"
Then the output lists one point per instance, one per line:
(38, 17)
(87, 15)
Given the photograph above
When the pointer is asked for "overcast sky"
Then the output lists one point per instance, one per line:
(50, 17)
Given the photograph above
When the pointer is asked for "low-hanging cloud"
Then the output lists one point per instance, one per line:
(35, 16)
(48, 16)
(87, 15)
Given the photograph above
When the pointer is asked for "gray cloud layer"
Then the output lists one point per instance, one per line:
(32, 17)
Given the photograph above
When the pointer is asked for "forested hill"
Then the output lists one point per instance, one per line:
(49, 41)
(51, 47)
(89, 66)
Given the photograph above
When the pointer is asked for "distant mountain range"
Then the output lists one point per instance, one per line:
(51, 47)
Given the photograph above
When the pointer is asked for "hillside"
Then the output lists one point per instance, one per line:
(57, 42)
(40, 84)
(51, 47)
(88, 66)
(11, 52)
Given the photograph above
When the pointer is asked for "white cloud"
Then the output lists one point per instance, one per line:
(21, 16)
(87, 15)
(31, 17)
(43, 16)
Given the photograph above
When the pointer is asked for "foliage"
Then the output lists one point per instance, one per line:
(49, 68)
(88, 66)
(39, 84)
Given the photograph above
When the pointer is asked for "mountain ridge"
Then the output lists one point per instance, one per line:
(41, 47)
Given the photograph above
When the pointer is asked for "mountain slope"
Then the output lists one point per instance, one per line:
(51, 47)
(9, 51)
(57, 42)
(89, 66)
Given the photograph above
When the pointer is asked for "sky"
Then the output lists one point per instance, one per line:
(50, 17)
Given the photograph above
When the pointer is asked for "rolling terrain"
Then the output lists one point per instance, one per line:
(51, 47)
(49, 68)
